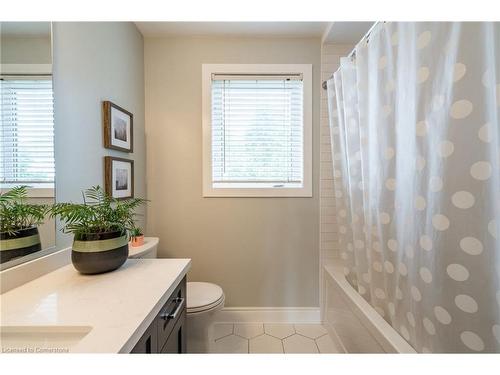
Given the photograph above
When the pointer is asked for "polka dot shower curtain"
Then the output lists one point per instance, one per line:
(414, 120)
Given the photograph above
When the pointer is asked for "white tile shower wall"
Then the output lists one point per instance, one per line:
(328, 244)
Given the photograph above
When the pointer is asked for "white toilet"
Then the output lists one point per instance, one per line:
(204, 300)
(146, 251)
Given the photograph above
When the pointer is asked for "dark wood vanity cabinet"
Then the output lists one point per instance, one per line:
(176, 342)
(167, 332)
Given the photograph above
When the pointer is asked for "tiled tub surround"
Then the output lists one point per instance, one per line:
(114, 309)
(330, 61)
(354, 324)
(329, 247)
(260, 338)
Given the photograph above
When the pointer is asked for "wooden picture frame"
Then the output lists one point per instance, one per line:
(119, 177)
(118, 124)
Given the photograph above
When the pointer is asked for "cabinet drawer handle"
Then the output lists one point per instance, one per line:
(178, 309)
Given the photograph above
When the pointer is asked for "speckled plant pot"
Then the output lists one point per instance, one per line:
(24, 242)
(99, 252)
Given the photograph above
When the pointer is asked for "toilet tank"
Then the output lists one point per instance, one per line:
(146, 251)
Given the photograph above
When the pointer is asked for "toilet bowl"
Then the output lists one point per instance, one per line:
(204, 300)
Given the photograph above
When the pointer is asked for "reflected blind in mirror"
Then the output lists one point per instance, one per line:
(257, 130)
(27, 131)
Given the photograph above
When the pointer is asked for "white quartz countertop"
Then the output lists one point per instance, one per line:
(117, 306)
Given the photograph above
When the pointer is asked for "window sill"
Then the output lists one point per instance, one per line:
(272, 192)
(42, 190)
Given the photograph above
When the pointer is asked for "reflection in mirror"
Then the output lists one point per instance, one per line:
(27, 168)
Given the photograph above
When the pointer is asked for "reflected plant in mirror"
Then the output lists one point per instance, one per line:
(101, 225)
(19, 221)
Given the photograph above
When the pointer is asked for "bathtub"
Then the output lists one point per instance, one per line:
(352, 322)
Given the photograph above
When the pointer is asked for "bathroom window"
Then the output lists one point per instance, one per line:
(27, 132)
(257, 130)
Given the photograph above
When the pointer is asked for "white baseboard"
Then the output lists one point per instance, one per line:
(269, 315)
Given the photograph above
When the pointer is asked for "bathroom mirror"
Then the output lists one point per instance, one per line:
(26, 142)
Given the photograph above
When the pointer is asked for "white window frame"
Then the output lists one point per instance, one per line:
(35, 189)
(207, 71)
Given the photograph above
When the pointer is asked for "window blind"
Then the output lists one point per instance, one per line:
(257, 130)
(27, 130)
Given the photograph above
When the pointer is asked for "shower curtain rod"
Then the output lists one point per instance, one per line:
(353, 52)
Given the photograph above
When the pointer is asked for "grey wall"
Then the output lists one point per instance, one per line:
(262, 251)
(94, 62)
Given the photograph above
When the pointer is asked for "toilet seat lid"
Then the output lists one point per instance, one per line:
(200, 294)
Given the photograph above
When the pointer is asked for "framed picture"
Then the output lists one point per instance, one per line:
(119, 177)
(118, 127)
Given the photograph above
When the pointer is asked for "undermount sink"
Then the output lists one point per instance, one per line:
(41, 339)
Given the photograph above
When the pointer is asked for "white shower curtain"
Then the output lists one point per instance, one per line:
(415, 129)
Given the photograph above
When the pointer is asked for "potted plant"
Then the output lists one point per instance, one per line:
(136, 237)
(100, 225)
(18, 224)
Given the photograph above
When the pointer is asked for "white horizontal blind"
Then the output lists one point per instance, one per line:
(257, 131)
(27, 130)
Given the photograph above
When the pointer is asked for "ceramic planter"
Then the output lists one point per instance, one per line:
(23, 242)
(137, 241)
(99, 252)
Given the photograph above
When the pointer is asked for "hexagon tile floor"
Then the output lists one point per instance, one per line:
(272, 338)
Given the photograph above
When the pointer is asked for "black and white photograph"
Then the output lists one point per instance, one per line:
(118, 127)
(119, 177)
(121, 180)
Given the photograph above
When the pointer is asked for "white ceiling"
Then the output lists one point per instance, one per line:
(25, 29)
(250, 29)
(333, 32)
(347, 32)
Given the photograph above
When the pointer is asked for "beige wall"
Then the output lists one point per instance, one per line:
(262, 251)
(94, 62)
